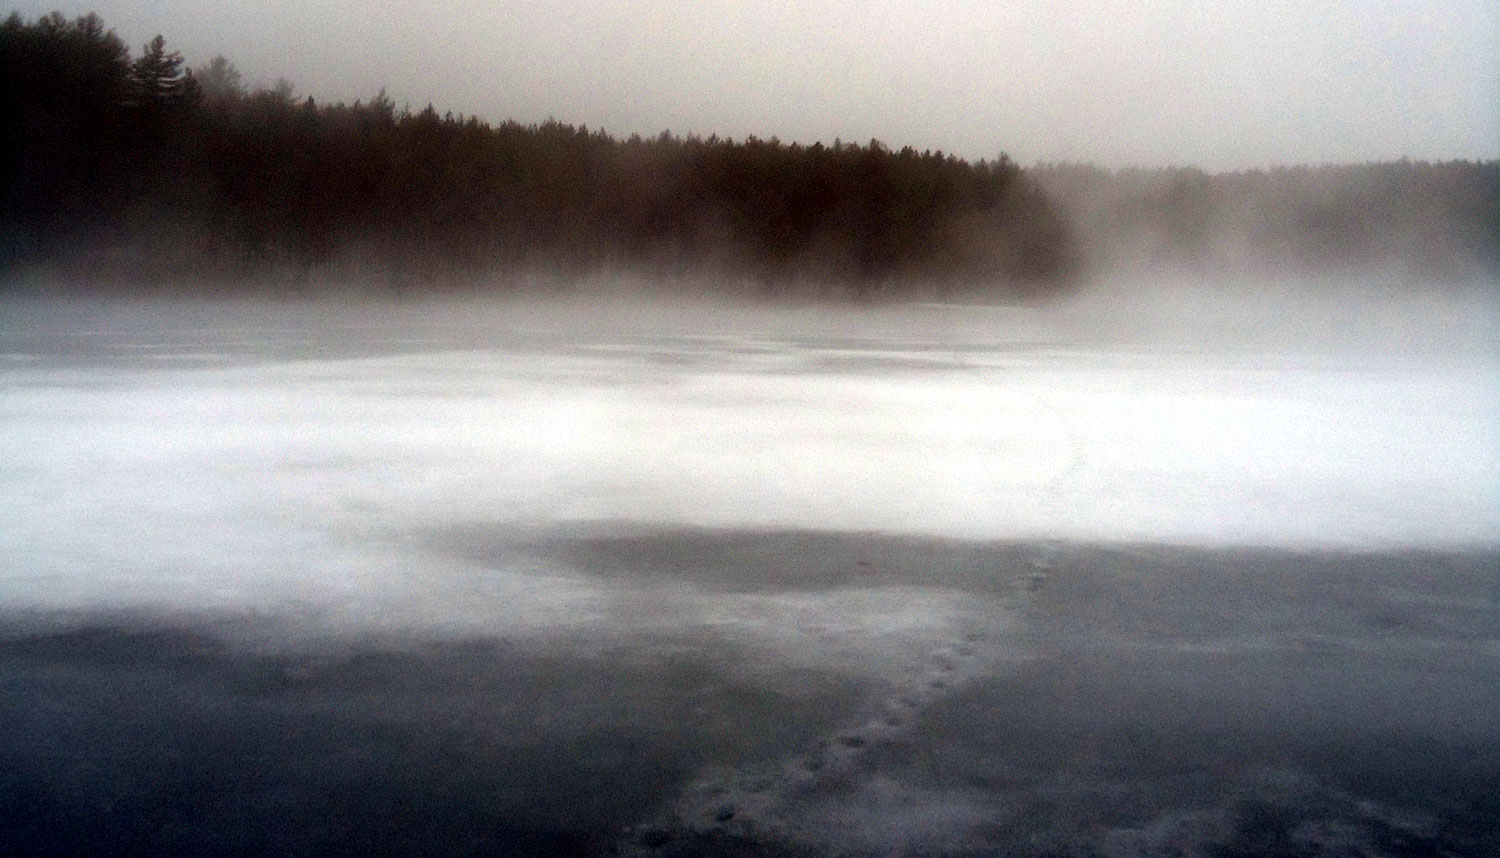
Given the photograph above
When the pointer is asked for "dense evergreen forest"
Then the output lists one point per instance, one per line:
(143, 169)
(136, 169)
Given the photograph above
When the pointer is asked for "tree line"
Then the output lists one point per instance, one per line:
(141, 168)
(1416, 218)
(135, 168)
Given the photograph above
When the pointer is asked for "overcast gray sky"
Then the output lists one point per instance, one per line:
(1224, 84)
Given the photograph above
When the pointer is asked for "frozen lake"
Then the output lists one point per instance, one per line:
(864, 531)
(163, 451)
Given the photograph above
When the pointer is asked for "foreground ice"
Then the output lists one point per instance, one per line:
(624, 578)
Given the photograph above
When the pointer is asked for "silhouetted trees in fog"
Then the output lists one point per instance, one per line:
(1414, 217)
(143, 169)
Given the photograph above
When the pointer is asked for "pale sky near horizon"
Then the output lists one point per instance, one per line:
(1223, 85)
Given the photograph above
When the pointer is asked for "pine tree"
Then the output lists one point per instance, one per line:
(219, 81)
(158, 80)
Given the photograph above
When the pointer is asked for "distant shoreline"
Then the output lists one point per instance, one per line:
(135, 170)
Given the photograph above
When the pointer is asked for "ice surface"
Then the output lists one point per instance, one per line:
(284, 456)
(610, 562)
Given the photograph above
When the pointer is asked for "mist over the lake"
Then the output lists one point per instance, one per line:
(750, 429)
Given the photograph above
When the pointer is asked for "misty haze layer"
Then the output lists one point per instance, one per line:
(233, 455)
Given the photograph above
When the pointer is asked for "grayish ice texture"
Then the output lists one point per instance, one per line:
(662, 577)
(240, 455)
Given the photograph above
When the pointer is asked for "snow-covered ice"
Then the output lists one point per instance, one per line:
(269, 454)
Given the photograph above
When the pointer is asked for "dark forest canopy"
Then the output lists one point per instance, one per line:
(137, 169)
(143, 169)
